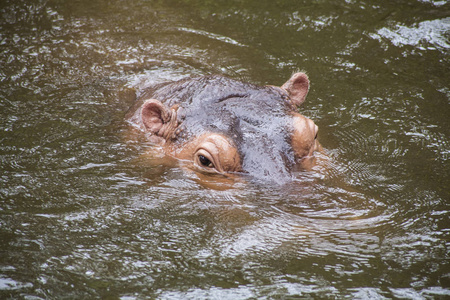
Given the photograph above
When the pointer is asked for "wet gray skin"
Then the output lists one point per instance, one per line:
(259, 120)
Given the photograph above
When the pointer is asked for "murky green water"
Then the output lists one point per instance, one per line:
(83, 214)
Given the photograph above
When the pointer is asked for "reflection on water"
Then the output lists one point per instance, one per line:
(432, 32)
(88, 210)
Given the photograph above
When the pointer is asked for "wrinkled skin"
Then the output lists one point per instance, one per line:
(220, 125)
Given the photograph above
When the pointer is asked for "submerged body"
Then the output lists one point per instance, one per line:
(225, 126)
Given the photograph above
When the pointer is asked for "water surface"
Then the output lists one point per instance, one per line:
(88, 212)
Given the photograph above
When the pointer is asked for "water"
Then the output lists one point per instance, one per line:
(88, 211)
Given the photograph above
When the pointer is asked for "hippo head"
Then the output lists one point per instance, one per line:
(220, 125)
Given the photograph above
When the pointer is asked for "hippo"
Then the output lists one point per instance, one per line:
(219, 125)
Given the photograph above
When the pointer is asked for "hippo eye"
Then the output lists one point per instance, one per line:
(205, 161)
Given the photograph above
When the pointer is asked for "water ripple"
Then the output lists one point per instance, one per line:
(427, 35)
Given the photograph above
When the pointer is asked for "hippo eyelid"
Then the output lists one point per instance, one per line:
(205, 160)
(212, 153)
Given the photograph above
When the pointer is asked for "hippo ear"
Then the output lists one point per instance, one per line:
(297, 88)
(157, 118)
